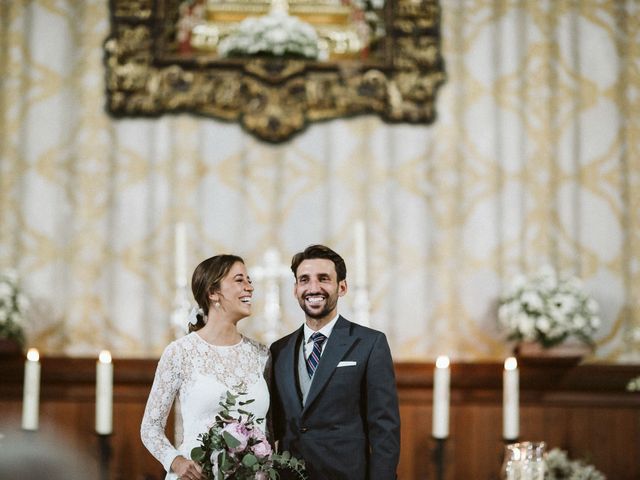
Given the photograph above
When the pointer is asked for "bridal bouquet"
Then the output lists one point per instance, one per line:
(548, 308)
(235, 447)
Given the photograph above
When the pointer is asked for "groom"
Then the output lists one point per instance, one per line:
(333, 392)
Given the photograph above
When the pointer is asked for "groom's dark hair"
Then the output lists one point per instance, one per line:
(319, 251)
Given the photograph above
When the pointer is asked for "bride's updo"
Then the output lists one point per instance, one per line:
(206, 280)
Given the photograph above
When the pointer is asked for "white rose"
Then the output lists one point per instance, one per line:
(548, 281)
(557, 315)
(532, 300)
(592, 306)
(504, 313)
(527, 327)
(543, 324)
(565, 303)
(11, 275)
(579, 322)
(556, 331)
(5, 291)
(277, 35)
(269, 21)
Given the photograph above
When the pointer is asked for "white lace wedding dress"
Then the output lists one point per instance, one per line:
(199, 375)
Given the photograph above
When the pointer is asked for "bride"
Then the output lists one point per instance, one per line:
(202, 366)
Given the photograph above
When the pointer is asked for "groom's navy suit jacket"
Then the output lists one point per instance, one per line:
(349, 427)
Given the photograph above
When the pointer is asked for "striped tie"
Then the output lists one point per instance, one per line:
(313, 359)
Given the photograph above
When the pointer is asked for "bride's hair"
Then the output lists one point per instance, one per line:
(206, 280)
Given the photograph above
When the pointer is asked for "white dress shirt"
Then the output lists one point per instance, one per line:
(326, 331)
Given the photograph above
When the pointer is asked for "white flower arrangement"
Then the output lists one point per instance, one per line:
(634, 385)
(548, 308)
(277, 34)
(560, 467)
(13, 307)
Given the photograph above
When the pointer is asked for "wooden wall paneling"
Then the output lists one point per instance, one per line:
(584, 410)
(416, 446)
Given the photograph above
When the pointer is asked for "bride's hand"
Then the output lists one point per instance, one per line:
(187, 469)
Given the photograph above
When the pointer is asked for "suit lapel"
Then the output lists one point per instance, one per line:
(338, 345)
(289, 369)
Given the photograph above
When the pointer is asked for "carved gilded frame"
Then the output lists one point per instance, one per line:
(273, 98)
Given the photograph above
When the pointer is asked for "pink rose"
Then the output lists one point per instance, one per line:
(258, 434)
(260, 475)
(262, 449)
(240, 433)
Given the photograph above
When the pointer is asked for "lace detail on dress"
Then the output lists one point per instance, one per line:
(197, 373)
(236, 367)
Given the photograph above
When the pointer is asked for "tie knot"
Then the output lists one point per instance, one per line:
(318, 338)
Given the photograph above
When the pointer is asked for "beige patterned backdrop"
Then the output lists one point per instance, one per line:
(534, 158)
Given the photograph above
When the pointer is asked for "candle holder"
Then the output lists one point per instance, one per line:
(438, 457)
(104, 452)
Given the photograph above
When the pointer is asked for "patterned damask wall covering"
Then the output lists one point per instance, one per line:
(534, 159)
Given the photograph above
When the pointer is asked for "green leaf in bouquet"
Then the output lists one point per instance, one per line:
(230, 440)
(198, 454)
(225, 463)
(225, 416)
(247, 402)
(249, 460)
(231, 398)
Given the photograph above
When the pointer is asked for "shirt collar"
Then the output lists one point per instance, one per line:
(326, 330)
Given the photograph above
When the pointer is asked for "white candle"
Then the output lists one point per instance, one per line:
(361, 254)
(441, 381)
(104, 393)
(31, 390)
(181, 255)
(510, 400)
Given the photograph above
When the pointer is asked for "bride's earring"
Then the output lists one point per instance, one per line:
(217, 304)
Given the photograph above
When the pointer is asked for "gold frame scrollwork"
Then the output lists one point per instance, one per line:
(273, 98)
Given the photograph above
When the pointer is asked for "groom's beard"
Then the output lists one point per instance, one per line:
(330, 303)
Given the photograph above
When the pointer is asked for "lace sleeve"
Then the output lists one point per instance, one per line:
(166, 383)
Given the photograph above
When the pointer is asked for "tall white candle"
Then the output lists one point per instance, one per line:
(31, 391)
(361, 254)
(104, 394)
(181, 255)
(510, 400)
(441, 381)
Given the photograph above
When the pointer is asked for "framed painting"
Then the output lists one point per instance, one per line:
(366, 57)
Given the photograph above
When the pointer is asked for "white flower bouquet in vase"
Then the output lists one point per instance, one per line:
(13, 307)
(549, 316)
(277, 34)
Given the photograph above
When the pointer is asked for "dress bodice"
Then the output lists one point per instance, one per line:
(199, 375)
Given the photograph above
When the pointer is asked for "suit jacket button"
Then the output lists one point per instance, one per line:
(303, 429)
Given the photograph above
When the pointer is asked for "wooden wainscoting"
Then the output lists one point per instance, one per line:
(584, 410)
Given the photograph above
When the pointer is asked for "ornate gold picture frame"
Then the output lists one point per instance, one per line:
(272, 97)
